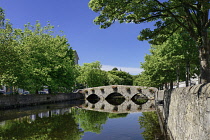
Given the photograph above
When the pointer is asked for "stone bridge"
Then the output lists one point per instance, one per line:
(125, 107)
(127, 91)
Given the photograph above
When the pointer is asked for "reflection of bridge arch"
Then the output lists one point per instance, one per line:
(126, 107)
(127, 91)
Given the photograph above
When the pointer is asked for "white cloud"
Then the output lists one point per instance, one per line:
(133, 71)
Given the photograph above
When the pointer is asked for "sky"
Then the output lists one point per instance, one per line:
(116, 46)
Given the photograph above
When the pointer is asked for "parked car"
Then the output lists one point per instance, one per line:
(42, 92)
(26, 92)
(2, 92)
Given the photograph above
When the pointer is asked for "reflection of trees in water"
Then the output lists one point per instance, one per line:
(120, 115)
(139, 99)
(149, 121)
(92, 121)
(115, 99)
(62, 127)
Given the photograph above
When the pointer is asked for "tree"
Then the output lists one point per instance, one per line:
(167, 63)
(46, 59)
(114, 79)
(124, 77)
(145, 79)
(191, 16)
(10, 60)
(35, 57)
(1, 17)
(115, 69)
(92, 75)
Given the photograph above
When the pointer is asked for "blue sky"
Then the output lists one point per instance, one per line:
(116, 46)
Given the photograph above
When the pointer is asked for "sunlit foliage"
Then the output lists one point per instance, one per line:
(35, 57)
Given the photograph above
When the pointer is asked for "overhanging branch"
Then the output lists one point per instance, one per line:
(176, 19)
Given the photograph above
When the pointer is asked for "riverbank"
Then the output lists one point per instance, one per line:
(14, 101)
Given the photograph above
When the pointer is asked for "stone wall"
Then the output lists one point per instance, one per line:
(186, 112)
(12, 101)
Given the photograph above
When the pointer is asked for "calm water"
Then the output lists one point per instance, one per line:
(73, 121)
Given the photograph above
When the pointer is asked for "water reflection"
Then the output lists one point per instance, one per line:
(127, 106)
(115, 99)
(41, 127)
(92, 121)
(149, 121)
(70, 122)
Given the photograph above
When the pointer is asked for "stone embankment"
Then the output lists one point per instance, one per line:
(185, 112)
(13, 101)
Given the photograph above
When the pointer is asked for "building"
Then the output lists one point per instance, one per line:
(76, 58)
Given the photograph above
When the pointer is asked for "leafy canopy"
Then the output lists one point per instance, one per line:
(162, 65)
(35, 57)
(190, 15)
(91, 75)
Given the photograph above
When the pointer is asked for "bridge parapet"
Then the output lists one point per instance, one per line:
(127, 91)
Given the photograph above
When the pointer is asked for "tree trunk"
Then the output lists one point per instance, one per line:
(177, 76)
(187, 73)
(49, 90)
(204, 59)
(171, 84)
(204, 69)
(166, 86)
(162, 87)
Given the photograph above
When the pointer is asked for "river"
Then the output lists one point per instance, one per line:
(73, 120)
